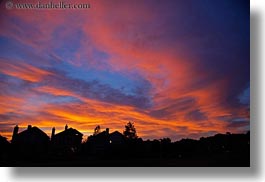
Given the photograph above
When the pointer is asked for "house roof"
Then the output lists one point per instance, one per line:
(33, 132)
(104, 136)
(69, 131)
(116, 133)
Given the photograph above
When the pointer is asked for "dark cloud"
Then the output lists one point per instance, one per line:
(10, 85)
(182, 128)
(238, 123)
(9, 116)
(177, 105)
(196, 115)
(216, 36)
(103, 92)
(244, 97)
(7, 128)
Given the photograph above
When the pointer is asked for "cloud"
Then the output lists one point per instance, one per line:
(95, 90)
(22, 70)
(196, 115)
(239, 125)
(176, 106)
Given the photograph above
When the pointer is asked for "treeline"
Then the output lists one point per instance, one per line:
(218, 150)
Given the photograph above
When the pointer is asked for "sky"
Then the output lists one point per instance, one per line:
(177, 69)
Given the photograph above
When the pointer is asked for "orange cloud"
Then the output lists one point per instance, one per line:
(22, 70)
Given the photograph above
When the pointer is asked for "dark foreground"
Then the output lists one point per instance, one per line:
(229, 150)
(214, 161)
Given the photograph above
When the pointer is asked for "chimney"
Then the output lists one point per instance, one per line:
(53, 133)
(66, 127)
(29, 127)
(15, 132)
(107, 131)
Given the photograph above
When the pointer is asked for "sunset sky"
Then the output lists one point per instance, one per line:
(177, 69)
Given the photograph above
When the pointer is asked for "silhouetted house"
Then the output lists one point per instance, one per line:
(102, 142)
(4, 149)
(99, 143)
(31, 140)
(3, 142)
(68, 140)
(116, 138)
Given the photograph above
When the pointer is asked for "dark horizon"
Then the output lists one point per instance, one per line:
(104, 129)
(32, 147)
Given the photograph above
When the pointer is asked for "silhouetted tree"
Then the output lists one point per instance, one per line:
(96, 130)
(130, 131)
(165, 141)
